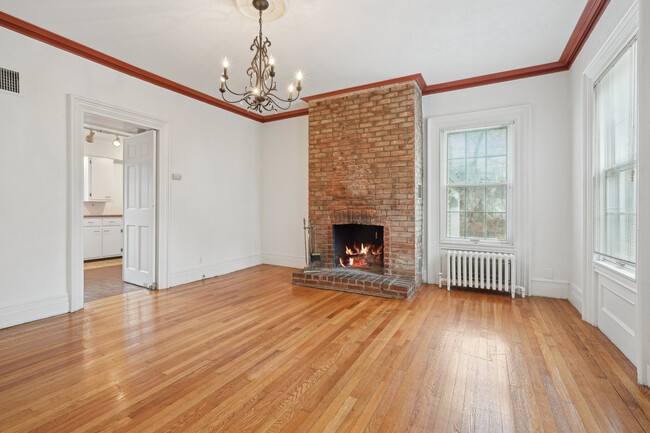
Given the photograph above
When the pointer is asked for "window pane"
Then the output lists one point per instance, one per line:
(455, 199)
(496, 200)
(475, 170)
(456, 224)
(475, 199)
(456, 169)
(496, 226)
(497, 142)
(475, 225)
(617, 152)
(475, 143)
(476, 159)
(496, 169)
(456, 145)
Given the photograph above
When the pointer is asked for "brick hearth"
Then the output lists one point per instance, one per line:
(365, 167)
(348, 280)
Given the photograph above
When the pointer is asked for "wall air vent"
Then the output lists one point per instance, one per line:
(9, 80)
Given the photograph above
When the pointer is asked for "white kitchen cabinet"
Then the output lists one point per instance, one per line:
(92, 242)
(99, 178)
(111, 241)
(103, 237)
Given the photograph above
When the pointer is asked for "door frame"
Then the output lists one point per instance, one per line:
(78, 106)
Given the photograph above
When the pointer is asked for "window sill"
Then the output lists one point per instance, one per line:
(610, 269)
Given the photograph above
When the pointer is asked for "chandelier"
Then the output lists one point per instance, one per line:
(260, 95)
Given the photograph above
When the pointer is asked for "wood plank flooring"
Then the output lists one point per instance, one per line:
(104, 281)
(249, 352)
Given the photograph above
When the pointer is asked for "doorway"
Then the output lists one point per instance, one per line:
(117, 214)
(130, 221)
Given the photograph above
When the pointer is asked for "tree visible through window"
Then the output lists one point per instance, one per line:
(477, 183)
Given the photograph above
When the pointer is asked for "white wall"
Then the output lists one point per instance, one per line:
(215, 209)
(284, 191)
(285, 174)
(610, 19)
(549, 176)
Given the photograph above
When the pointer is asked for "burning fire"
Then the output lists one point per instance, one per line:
(359, 257)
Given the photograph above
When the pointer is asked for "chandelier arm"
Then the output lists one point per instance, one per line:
(288, 100)
(223, 96)
(246, 92)
(276, 101)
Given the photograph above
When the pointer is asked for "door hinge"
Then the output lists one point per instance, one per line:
(121, 250)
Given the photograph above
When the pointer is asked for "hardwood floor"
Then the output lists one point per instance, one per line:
(104, 280)
(249, 352)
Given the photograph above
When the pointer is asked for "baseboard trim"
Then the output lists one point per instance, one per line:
(283, 260)
(214, 269)
(549, 288)
(28, 310)
(575, 296)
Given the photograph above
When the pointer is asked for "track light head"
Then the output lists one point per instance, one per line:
(90, 137)
(117, 141)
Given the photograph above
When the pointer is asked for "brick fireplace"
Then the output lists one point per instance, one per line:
(365, 185)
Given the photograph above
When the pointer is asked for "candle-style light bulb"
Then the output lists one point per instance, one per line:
(225, 63)
(256, 91)
(299, 75)
(290, 89)
(271, 61)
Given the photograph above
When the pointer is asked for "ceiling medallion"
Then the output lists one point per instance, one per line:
(260, 95)
(276, 10)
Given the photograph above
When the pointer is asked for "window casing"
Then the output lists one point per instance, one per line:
(476, 178)
(615, 154)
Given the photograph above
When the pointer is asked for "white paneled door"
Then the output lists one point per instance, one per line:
(138, 262)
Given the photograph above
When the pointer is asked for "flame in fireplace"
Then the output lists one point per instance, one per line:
(359, 257)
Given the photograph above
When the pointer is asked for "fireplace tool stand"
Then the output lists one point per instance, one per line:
(310, 256)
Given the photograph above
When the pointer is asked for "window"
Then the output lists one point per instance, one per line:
(476, 184)
(616, 161)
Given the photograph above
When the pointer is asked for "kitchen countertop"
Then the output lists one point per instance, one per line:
(102, 216)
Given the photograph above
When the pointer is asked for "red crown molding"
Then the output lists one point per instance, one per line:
(587, 22)
(284, 115)
(46, 36)
(515, 74)
(416, 77)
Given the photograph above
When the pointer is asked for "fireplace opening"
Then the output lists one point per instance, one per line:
(359, 246)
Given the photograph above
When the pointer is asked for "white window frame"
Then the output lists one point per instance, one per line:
(519, 117)
(625, 32)
(467, 242)
(623, 268)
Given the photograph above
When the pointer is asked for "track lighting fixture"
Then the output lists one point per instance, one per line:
(117, 141)
(91, 136)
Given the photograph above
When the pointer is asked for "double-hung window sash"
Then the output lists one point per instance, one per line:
(616, 164)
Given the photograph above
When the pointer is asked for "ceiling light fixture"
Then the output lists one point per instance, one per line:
(117, 141)
(260, 94)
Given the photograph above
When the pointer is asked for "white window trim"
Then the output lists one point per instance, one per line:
(519, 116)
(625, 32)
(469, 243)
